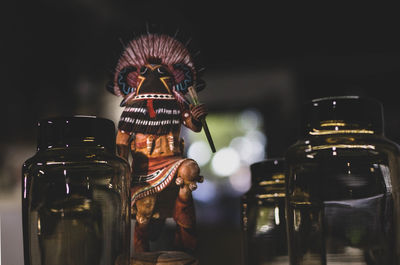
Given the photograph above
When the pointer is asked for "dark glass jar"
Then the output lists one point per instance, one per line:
(75, 195)
(343, 186)
(263, 214)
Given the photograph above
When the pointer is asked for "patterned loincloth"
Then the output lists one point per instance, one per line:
(156, 181)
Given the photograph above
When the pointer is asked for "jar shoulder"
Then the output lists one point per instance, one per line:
(69, 157)
(375, 143)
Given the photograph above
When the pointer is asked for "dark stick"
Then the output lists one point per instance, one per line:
(193, 94)
(208, 134)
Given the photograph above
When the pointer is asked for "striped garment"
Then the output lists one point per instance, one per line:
(151, 116)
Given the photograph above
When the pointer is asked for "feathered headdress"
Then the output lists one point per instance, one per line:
(154, 49)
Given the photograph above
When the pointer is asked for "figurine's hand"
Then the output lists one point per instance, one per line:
(190, 184)
(187, 178)
(145, 208)
(199, 111)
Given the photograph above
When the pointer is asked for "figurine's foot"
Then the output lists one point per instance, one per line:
(185, 239)
(164, 257)
(141, 238)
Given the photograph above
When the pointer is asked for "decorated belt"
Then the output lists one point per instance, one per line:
(154, 96)
(146, 178)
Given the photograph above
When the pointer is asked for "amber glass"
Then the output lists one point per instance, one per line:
(263, 215)
(75, 195)
(343, 186)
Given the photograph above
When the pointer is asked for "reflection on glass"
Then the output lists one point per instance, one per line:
(77, 216)
(345, 214)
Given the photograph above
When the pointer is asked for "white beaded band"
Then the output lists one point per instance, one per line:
(154, 96)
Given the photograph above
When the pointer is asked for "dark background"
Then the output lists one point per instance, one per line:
(269, 57)
(331, 49)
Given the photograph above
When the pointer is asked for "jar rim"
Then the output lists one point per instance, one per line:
(265, 169)
(76, 130)
(351, 113)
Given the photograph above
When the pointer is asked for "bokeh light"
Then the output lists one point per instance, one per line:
(200, 152)
(250, 119)
(258, 136)
(250, 149)
(240, 141)
(241, 180)
(206, 191)
(225, 162)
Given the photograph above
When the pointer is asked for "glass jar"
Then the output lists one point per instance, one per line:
(75, 195)
(343, 185)
(263, 214)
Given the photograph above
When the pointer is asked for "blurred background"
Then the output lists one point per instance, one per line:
(262, 62)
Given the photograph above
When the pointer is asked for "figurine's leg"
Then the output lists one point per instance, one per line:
(144, 208)
(184, 212)
(185, 218)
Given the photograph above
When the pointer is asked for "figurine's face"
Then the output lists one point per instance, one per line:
(154, 78)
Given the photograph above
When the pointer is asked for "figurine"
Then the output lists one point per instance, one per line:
(153, 75)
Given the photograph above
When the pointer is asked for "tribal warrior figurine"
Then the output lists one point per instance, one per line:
(153, 74)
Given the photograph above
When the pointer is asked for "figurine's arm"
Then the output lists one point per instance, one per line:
(191, 116)
(123, 144)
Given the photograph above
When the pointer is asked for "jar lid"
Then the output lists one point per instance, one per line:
(72, 131)
(346, 112)
(266, 169)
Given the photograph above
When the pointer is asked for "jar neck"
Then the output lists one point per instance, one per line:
(333, 127)
(270, 188)
(274, 179)
(72, 147)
